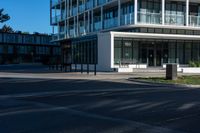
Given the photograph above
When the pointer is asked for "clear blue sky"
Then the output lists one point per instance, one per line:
(27, 15)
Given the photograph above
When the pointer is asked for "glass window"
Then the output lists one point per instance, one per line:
(117, 51)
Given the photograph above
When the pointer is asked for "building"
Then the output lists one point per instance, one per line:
(27, 48)
(126, 34)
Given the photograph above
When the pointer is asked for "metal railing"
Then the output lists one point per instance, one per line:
(56, 19)
(127, 19)
(174, 19)
(109, 23)
(194, 20)
(149, 18)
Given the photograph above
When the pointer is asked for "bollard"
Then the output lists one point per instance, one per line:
(95, 69)
(81, 68)
(171, 71)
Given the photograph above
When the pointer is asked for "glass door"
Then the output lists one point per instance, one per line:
(151, 57)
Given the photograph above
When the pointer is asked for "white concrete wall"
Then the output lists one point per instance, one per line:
(105, 52)
(194, 70)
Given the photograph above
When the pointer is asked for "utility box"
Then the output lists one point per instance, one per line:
(171, 71)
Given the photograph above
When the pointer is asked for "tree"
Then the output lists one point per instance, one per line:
(7, 29)
(3, 17)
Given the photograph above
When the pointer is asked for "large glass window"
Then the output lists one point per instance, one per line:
(149, 11)
(84, 52)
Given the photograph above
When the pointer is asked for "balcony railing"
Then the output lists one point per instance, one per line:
(194, 20)
(56, 19)
(81, 8)
(74, 11)
(149, 18)
(174, 19)
(82, 30)
(127, 19)
(97, 26)
(54, 37)
(72, 32)
(109, 23)
(62, 35)
(89, 5)
(55, 2)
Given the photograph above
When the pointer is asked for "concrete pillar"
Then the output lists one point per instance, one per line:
(88, 21)
(119, 12)
(101, 17)
(163, 12)
(135, 11)
(74, 26)
(187, 12)
(70, 7)
(77, 33)
(77, 6)
(67, 9)
(84, 21)
(92, 14)
(65, 19)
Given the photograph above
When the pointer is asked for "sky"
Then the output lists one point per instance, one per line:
(28, 15)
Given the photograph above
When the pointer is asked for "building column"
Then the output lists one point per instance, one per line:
(101, 17)
(135, 11)
(67, 9)
(70, 4)
(74, 26)
(163, 12)
(88, 21)
(84, 23)
(65, 17)
(119, 12)
(77, 6)
(67, 28)
(77, 25)
(92, 15)
(187, 13)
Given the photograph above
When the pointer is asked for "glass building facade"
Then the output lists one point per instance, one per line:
(155, 52)
(84, 18)
(24, 48)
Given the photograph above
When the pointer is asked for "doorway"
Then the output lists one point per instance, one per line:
(151, 57)
(158, 57)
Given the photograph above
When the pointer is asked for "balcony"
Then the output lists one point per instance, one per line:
(62, 35)
(174, 19)
(63, 16)
(89, 4)
(55, 2)
(194, 21)
(127, 19)
(54, 37)
(100, 2)
(82, 30)
(71, 32)
(56, 19)
(81, 8)
(109, 23)
(149, 18)
(74, 11)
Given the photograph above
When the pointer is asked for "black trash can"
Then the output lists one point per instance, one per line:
(171, 71)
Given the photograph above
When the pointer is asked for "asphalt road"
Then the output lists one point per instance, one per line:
(96, 106)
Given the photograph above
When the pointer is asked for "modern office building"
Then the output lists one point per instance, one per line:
(27, 48)
(126, 34)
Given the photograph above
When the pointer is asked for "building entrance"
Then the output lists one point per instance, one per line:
(151, 57)
(154, 57)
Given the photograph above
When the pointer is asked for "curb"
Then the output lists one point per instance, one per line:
(164, 84)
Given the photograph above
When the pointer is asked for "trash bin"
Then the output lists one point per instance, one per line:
(171, 71)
